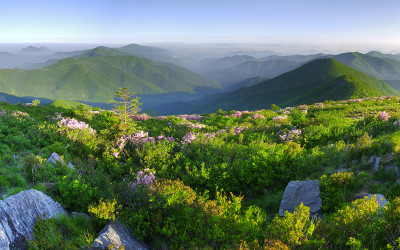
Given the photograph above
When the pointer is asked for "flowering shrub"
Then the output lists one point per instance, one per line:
(141, 117)
(144, 178)
(188, 138)
(190, 117)
(257, 116)
(75, 125)
(279, 118)
(292, 135)
(238, 114)
(2, 112)
(384, 116)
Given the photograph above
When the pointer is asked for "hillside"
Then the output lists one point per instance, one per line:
(249, 176)
(382, 68)
(269, 69)
(96, 78)
(316, 81)
(382, 55)
(212, 64)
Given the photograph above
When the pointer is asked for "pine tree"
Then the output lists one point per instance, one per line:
(125, 104)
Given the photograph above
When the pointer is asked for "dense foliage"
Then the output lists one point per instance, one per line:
(211, 180)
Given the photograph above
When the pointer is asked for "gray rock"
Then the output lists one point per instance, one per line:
(18, 216)
(375, 161)
(114, 236)
(54, 158)
(380, 199)
(71, 166)
(397, 171)
(297, 192)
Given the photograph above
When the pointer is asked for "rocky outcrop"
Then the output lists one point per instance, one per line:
(115, 236)
(297, 192)
(18, 216)
(54, 158)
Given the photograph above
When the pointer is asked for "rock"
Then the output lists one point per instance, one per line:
(71, 166)
(297, 192)
(114, 236)
(18, 216)
(397, 171)
(54, 158)
(375, 160)
(380, 198)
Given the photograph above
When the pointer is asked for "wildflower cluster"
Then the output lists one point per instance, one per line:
(188, 138)
(292, 135)
(191, 117)
(140, 138)
(144, 179)
(280, 118)
(238, 130)
(75, 125)
(2, 112)
(238, 114)
(192, 125)
(257, 116)
(141, 117)
(384, 116)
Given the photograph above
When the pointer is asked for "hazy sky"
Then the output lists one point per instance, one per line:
(201, 21)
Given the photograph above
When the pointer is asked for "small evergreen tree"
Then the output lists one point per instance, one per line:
(125, 104)
(35, 102)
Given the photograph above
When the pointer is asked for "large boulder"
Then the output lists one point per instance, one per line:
(115, 236)
(18, 216)
(297, 192)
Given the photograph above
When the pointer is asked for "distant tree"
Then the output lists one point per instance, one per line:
(125, 104)
(35, 102)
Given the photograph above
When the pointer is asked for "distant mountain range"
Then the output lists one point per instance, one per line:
(93, 75)
(316, 81)
(230, 70)
(96, 78)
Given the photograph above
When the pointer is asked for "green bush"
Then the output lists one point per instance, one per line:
(294, 229)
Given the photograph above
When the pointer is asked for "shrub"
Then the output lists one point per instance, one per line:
(293, 229)
(335, 189)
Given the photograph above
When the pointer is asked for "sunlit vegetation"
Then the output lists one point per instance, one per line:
(211, 180)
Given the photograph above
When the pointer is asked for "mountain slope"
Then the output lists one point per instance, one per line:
(382, 55)
(318, 80)
(95, 79)
(383, 68)
(269, 69)
(213, 64)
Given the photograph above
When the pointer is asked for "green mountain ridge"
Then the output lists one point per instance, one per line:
(96, 78)
(316, 81)
(382, 68)
(268, 69)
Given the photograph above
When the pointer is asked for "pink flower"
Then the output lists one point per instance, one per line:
(384, 116)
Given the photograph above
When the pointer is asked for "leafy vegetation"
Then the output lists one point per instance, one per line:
(212, 180)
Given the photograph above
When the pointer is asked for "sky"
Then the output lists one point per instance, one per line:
(321, 22)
